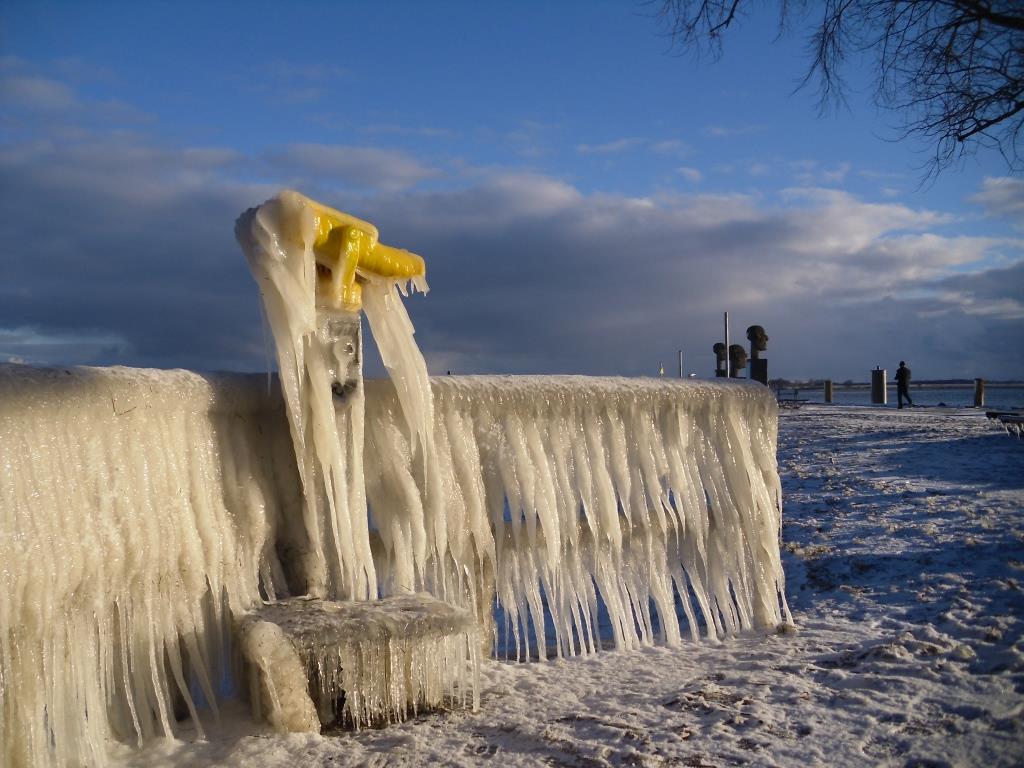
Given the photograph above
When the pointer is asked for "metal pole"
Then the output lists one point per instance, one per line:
(728, 365)
(680, 363)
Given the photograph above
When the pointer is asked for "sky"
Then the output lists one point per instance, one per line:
(587, 200)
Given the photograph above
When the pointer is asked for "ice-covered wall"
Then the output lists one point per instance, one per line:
(140, 509)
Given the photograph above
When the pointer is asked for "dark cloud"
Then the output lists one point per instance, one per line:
(129, 243)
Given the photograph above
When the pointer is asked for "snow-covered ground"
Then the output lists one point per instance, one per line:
(904, 552)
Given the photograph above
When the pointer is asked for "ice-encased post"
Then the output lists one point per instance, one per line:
(311, 263)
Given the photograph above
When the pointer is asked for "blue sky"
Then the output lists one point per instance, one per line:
(587, 202)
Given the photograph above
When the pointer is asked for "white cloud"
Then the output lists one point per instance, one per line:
(661, 147)
(611, 147)
(690, 174)
(365, 167)
(670, 147)
(1002, 196)
(811, 172)
(725, 131)
(395, 129)
(32, 345)
(37, 93)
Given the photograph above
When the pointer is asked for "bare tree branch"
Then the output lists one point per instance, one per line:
(951, 70)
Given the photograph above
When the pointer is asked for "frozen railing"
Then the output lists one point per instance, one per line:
(141, 510)
(584, 497)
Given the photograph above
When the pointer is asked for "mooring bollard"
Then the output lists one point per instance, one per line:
(828, 390)
(879, 394)
(979, 393)
(737, 360)
(721, 366)
(758, 343)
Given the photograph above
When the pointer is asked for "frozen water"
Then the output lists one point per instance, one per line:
(278, 241)
(389, 657)
(138, 509)
(381, 676)
(640, 494)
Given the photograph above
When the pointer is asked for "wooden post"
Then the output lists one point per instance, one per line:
(828, 390)
(979, 393)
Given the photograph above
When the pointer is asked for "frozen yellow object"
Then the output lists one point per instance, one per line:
(347, 248)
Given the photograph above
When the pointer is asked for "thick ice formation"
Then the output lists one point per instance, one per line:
(639, 494)
(138, 509)
(388, 657)
(278, 240)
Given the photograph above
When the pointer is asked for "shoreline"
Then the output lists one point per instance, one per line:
(856, 386)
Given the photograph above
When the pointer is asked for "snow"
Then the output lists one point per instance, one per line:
(903, 543)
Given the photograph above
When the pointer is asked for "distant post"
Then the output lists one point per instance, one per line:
(758, 343)
(979, 393)
(879, 393)
(828, 390)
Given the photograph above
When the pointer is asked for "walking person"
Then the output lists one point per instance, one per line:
(903, 384)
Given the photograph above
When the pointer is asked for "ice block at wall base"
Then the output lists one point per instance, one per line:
(384, 659)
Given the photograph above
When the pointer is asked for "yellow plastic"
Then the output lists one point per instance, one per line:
(347, 248)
